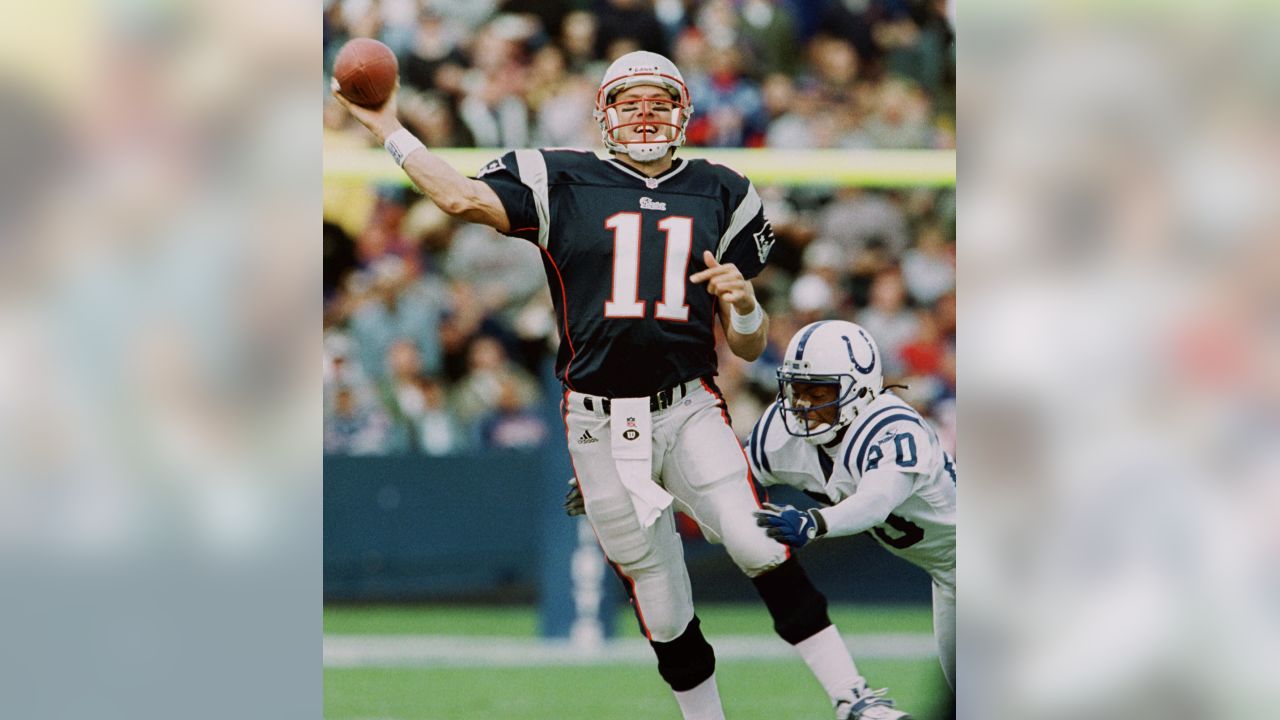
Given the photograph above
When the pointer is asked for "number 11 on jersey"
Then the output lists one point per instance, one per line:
(625, 301)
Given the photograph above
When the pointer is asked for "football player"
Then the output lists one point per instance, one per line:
(866, 456)
(643, 253)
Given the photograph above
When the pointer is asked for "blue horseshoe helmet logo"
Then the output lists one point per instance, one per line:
(858, 366)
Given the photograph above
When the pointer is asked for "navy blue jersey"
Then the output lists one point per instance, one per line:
(618, 250)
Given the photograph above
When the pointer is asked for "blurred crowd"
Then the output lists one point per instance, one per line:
(439, 334)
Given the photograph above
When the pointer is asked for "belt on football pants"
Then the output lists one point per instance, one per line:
(660, 400)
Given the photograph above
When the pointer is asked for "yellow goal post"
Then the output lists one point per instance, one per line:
(796, 168)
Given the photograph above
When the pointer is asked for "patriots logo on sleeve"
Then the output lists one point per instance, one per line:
(764, 241)
(494, 166)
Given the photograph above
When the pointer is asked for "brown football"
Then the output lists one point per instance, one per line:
(366, 72)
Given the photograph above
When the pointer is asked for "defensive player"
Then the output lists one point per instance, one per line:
(866, 456)
(643, 252)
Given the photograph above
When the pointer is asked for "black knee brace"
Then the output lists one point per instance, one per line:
(686, 661)
(799, 611)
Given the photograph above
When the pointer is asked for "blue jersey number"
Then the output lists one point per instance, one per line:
(903, 443)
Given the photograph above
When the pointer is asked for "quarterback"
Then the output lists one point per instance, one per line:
(643, 253)
(866, 456)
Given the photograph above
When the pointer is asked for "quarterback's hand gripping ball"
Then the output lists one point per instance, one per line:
(787, 524)
(365, 72)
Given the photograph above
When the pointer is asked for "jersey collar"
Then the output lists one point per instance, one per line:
(651, 182)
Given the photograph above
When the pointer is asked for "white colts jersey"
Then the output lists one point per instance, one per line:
(889, 433)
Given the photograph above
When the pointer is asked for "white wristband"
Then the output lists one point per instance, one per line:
(746, 324)
(400, 143)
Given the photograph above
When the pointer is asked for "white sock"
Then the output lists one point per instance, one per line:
(701, 702)
(828, 658)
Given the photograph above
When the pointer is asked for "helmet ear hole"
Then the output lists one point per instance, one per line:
(862, 392)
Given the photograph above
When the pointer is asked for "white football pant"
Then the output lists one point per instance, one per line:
(697, 459)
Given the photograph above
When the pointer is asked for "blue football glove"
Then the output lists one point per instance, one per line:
(790, 526)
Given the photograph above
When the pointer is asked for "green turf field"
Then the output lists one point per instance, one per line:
(752, 689)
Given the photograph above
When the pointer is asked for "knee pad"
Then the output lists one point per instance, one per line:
(751, 550)
(799, 611)
(687, 661)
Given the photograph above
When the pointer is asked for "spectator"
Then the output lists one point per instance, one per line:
(339, 258)
(381, 236)
(856, 216)
(920, 47)
(503, 272)
(512, 424)
(563, 103)
(804, 124)
(900, 121)
(855, 20)
(889, 320)
(398, 305)
(812, 299)
(834, 66)
(770, 32)
(399, 24)
(578, 38)
(923, 359)
(342, 369)
(632, 20)
(929, 269)
(565, 120)
(438, 430)
(865, 266)
(494, 108)
(467, 16)
(818, 293)
(480, 391)
(778, 93)
(493, 111)
(433, 119)
(717, 21)
(402, 392)
(456, 336)
(730, 110)
(353, 429)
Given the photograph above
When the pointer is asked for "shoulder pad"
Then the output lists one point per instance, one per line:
(891, 436)
(766, 437)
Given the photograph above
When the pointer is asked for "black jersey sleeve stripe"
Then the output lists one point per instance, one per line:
(533, 173)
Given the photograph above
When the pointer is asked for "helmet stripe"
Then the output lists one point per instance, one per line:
(804, 339)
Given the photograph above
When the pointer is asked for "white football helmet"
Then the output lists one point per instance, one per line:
(833, 352)
(643, 68)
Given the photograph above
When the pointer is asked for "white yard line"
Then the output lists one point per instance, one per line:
(347, 651)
